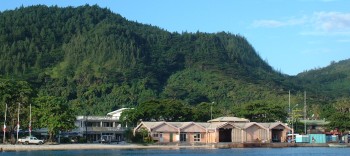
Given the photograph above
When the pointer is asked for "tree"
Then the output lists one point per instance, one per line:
(54, 113)
(129, 117)
(202, 112)
(261, 111)
(340, 118)
(158, 110)
(295, 116)
(14, 94)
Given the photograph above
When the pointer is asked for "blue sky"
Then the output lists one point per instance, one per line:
(291, 35)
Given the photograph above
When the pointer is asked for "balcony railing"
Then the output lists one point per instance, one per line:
(102, 129)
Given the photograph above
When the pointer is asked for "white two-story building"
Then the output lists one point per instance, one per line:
(97, 128)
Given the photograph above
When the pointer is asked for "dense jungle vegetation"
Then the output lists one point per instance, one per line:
(94, 61)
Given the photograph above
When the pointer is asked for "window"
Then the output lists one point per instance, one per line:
(93, 124)
(156, 135)
(107, 124)
(197, 137)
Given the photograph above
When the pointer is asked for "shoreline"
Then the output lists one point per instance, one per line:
(14, 148)
(19, 147)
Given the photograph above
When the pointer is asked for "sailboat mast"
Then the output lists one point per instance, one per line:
(19, 105)
(30, 120)
(4, 138)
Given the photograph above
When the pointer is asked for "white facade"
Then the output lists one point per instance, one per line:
(97, 128)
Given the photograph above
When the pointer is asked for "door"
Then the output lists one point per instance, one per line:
(171, 137)
(225, 135)
(183, 137)
(160, 137)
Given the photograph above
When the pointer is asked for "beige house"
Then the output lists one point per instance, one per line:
(223, 129)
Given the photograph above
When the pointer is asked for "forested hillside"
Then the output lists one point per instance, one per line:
(99, 61)
(335, 79)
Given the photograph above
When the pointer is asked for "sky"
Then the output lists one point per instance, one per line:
(291, 35)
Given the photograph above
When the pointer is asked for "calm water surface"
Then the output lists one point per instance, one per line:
(314, 151)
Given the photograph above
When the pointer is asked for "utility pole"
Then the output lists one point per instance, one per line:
(305, 112)
(211, 111)
(293, 121)
(289, 103)
(289, 112)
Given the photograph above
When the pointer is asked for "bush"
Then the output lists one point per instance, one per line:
(65, 140)
(81, 140)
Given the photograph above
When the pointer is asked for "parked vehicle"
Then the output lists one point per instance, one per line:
(30, 140)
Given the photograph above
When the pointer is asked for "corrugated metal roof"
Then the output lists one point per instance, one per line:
(229, 119)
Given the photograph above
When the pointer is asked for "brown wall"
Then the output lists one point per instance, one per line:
(255, 133)
(190, 137)
(236, 135)
(166, 137)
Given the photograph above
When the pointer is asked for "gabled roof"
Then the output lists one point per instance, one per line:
(229, 119)
(229, 123)
(203, 124)
(254, 123)
(209, 126)
(315, 122)
(148, 125)
(187, 124)
(241, 125)
(273, 125)
(165, 123)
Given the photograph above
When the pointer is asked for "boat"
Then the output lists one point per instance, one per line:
(339, 145)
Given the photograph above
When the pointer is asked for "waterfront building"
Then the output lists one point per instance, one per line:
(315, 126)
(222, 129)
(100, 128)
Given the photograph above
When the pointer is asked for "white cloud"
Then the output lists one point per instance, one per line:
(320, 51)
(332, 21)
(276, 23)
(324, 33)
(319, 23)
(268, 23)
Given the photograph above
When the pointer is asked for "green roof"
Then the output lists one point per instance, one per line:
(315, 122)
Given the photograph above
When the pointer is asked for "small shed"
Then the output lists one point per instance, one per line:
(317, 138)
(302, 139)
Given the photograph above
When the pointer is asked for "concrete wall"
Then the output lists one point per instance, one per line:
(255, 133)
(166, 137)
(237, 135)
(212, 137)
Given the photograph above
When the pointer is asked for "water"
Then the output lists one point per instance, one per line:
(302, 151)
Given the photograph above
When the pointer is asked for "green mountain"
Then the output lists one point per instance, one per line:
(100, 61)
(332, 81)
